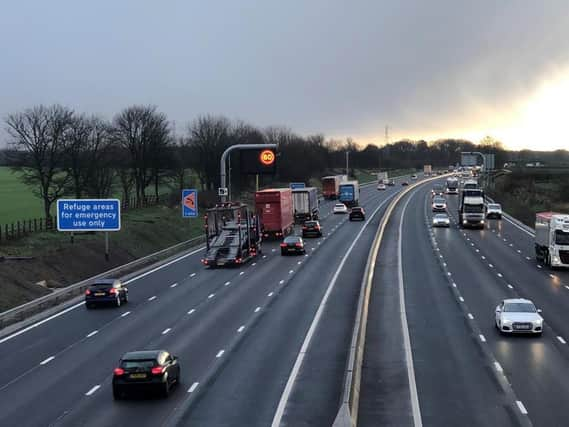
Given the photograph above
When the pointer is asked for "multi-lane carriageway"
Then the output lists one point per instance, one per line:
(267, 344)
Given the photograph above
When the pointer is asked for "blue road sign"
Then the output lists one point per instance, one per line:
(88, 215)
(189, 203)
(295, 185)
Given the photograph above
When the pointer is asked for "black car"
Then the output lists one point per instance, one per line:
(292, 245)
(357, 212)
(106, 291)
(311, 228)
(403, 183)
(391, 183)
(144, 371)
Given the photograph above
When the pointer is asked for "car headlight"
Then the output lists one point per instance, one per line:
(506, 322)
(464, 221)
(482, 221)
(555, 259)
(538, 322)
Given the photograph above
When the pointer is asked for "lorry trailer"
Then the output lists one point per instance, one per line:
(305, 204)
(349, 193)
(552, 239)
(275, 210)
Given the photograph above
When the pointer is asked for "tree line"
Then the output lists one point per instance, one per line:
(59, 152)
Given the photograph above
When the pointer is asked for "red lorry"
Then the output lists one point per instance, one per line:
(331, 186)
(274, 207)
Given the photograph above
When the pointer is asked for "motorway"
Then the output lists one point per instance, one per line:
(266, 345)
(463, 372)
(238, 334)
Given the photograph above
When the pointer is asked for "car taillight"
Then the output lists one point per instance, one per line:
(112, 291)
(118, 372)
(305, 228)
(283, 245)
(298, 245)
(318, 227)
(158, 370)
(238, 260)
(87, 292)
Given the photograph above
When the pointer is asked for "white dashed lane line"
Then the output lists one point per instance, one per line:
(561, 340)
(165, 331)
(126, 313)
(92, 334)
(528, 258)
(46, 361)
(93, 390)
(242, 273)
(193, 275)
(270, 294)
(193, 387)
(152, 298)
(281, 282)
(210, 296)
(521, 407)
(193, 310)
(173, 285)
(241, 328)
(498, 367)
(510, 286)
(470, 316)
(218, 355)
(227, 283)
(461, 299)
(257, 309)
(482, 338)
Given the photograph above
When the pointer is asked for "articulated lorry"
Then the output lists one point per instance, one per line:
(349, 193)
(382, 178)
(305, 204)
(274, 207)
(330, 186)
(233, 235)
(552, 239)
(471, 208)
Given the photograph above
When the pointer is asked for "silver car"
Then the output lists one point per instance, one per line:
(494, 210)
(441, 220)
(439, 204)
(518, 315)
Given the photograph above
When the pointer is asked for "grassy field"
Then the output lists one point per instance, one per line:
(16, 200)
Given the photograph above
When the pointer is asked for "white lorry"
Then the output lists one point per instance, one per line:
(382, 178)
(552, 239)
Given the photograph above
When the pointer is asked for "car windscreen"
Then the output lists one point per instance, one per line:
(141, 364)
(519, 307)
(439, 200)
(340, 205)
(441, 216)
(311, 223)
(493, 206)
(561, 237)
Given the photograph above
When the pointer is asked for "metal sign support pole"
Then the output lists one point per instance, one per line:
(106, 246)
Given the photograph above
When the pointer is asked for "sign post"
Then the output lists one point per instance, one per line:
(89, 215)
(190, 203)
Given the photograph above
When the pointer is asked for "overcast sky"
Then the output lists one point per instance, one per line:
(428, 69)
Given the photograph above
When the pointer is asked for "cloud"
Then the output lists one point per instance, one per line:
(333, 66)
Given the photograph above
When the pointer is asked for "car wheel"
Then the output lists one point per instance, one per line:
(117, 394)
(166, 389)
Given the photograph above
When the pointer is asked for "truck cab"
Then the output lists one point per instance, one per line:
(471, 208)
(552, 239)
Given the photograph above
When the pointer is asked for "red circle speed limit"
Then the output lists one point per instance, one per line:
(267, 157)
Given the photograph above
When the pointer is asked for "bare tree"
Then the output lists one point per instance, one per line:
(42, 134)
(143, 132)
(208, 139)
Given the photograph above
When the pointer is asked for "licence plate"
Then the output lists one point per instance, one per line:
(99, 294)
(522, 327)
(221, 263)
(137, 376)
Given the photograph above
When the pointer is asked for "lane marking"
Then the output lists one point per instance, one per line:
(95, 332)
(257, 309)
(315, 321)
(477, 250)
(561, 340)
(152, 298)
(461, 299)
(299, 262)
(291, 271)
(490, 265)
(192, 311)
(242, 273)
(41, 322)
(173, 285)
(528, 258)
(498, 367)
(539, 266)
(521, 407)
(553, 276)
(254, 264)
(482, 338)
(453, 285)
(510, 286)
(241, 329)
(193, 387)
(126, 313)
(483, 257)
(165, 331)
(270, 294)
(227, 283)
(273, 250)
(500, 275)
(264, 256)
(93, 390)
(281, 282)
(470, 316)
(519, 251)
(46, 361)
(218, 355)
(210, 296)
(192, 275)
(566, 287)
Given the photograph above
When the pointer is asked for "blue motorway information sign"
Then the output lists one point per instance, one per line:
(295, 185)
(189, 203)
(88, 215)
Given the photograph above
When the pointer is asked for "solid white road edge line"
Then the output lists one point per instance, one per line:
(417, 419)
(315, 321)
(46, 361)
(95, 332)
(193, 387)
(521, 407)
